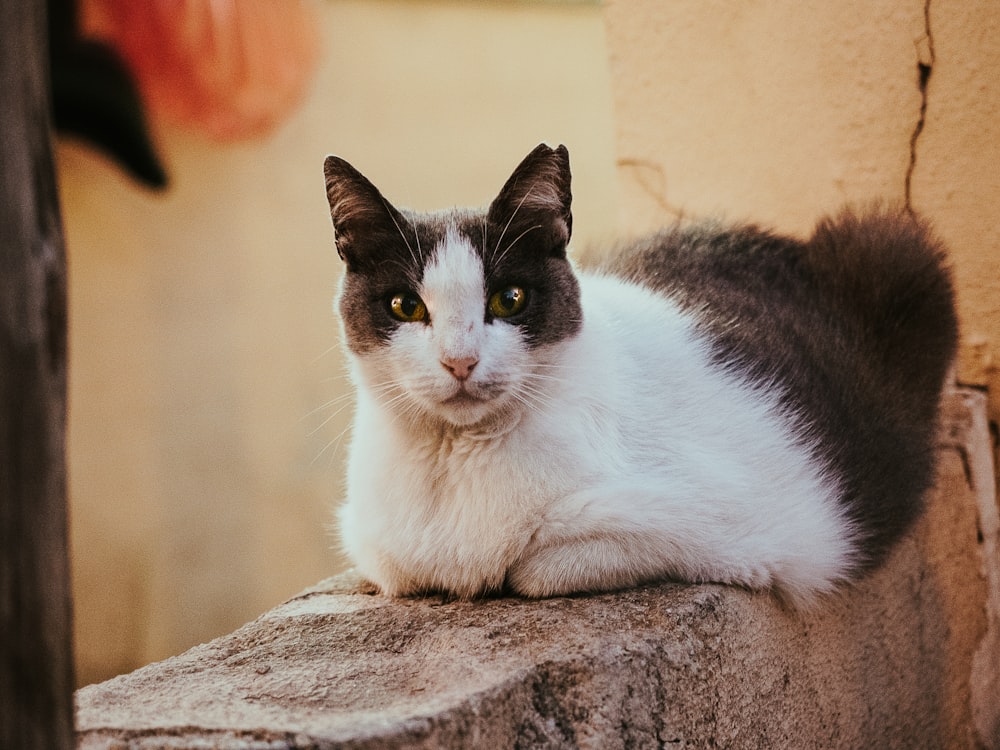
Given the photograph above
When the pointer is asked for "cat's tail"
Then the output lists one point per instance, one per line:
(897, 333)
(887, 268)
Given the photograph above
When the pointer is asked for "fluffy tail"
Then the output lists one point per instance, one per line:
(887, 275)
(889, 270)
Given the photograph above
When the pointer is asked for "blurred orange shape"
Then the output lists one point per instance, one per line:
(233, 68)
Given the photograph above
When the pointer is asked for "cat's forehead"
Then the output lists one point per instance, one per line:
(461, 233)
(436, 231)
(453, 285)
(455, 263)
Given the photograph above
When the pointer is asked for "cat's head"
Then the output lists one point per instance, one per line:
(455, 315)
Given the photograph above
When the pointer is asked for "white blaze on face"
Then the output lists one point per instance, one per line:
(456, 367)
(455, 295)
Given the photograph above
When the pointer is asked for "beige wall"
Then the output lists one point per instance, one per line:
(780, 111)
(202, 337)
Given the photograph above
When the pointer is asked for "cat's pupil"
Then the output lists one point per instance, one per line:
(507, 302)
(408, 306)
(509, 298)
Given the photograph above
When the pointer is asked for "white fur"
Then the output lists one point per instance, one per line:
(617, 456)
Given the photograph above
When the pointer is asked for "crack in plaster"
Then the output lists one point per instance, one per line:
(651, 178)
(925, 66)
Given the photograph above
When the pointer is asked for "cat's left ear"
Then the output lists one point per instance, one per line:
(361, 215)
(538, 196)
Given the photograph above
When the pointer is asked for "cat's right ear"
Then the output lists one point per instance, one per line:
(359, 212)
(538, 197)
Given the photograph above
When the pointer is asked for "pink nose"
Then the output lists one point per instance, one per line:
(460, 367)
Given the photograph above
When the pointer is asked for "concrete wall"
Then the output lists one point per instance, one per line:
(780, 111)
(206, 381)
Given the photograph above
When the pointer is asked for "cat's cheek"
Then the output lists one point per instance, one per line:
(402, 363)
(504, 354)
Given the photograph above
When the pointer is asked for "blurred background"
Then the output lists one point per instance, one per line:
(207, 428)
(208, 406)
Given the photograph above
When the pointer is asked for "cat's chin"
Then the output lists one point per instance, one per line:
(464, 399)
(464, 409)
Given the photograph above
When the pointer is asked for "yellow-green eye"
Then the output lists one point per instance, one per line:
(507, 302)
(408, 308)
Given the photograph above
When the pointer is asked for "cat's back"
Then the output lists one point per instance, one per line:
(855, 328)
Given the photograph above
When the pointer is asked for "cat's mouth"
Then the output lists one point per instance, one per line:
(470, 403)
(462, 397)
(474, 396)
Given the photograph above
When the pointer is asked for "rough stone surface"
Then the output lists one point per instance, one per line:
(887, 664)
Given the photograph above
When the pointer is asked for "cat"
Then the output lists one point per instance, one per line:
(714, 404)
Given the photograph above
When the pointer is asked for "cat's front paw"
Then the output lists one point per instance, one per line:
(747, 574)
(535, 576)
(566, 569)
(367, 587)
(528, 581)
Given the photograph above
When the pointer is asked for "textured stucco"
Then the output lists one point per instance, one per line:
(779, 112)
(956, 177)
(889, 664)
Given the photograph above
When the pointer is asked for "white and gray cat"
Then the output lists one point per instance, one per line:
(717, 404)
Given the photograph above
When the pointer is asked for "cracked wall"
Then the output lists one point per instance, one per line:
(779, 112)
(956, 178)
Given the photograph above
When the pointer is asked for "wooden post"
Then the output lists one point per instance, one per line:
(36, 670)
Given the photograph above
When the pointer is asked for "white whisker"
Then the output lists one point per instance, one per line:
(325, 353)
(335, 443)
(507, 250)
(507, 226)
(550, 365)
(329, 404)
(330, 418)
(336, 378)
(416, 236)
(409, 410)
(399, 229)
(528, 401)
(542, 376)
(539, 396)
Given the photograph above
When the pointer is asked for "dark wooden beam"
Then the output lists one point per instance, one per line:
(36, 670)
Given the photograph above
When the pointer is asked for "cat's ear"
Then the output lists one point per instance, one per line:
(361, 216)
(537, 196)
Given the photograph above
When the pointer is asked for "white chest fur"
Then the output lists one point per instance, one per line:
(449, 509)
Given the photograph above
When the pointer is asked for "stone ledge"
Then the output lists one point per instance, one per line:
(900, 661)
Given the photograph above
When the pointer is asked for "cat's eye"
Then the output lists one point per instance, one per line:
(408, 308)
(507, 302)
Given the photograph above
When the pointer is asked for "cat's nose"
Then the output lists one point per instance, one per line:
(460, 367)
